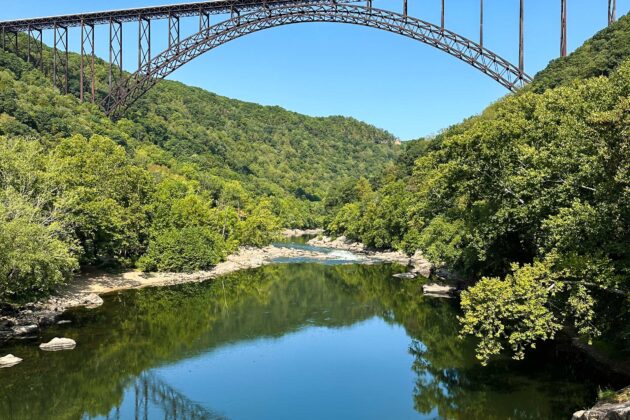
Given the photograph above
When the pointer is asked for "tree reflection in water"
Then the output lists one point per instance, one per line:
(136, 332)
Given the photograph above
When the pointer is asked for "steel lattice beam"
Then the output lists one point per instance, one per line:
(131, 88)
(60, 58)
(173, 30)
(87, 54)
(204, 20)
(144, 45)
(158, 12)
(115, 51)
(35, 36)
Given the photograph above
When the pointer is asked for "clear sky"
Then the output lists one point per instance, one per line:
(320, 69)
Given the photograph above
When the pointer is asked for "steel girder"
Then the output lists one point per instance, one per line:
(612, 11)
(35, 36)
(134, 86)
(144, 44)
(87, 53)
(158, 12)
(115, 52)
(60, 58)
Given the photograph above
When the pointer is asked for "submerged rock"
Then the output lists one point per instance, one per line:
(605, 411)
(9, 360)
(437, 290)
(57, 344)
(410, 275)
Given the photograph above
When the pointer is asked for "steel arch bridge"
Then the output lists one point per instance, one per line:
(245, 17)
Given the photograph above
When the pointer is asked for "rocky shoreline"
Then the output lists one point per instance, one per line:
(444, 282)
(28, 320)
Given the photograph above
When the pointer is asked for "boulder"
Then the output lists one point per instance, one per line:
(437, 290)
(91, 301)
(25, 329)
(64, 322)
(9, 360)
(46, 318)
(421, 265)
(605, 411)
(6, 324)
(57, 344)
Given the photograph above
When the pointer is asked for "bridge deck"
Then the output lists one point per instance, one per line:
(155, 12)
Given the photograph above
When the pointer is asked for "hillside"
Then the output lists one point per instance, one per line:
(176, 186)
(529, 201)
(599, 56)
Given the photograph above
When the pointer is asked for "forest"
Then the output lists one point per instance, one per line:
(530, 200)
(182, 182)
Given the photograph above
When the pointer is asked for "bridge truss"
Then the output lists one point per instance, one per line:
(244, 17)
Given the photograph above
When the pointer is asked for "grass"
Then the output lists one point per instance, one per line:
(610, 396)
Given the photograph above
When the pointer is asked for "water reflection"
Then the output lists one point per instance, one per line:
(385, 347)
(153, 398)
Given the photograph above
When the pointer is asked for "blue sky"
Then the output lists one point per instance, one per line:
(398, 84)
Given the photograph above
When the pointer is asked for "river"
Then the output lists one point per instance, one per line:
(292, 340)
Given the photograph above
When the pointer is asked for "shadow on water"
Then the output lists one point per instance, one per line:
(125, 346)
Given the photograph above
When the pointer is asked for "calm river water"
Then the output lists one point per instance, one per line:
(287, 341)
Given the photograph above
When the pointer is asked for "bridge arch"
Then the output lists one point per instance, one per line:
(131, 88)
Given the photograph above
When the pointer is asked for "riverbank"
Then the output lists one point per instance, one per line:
(27, 320)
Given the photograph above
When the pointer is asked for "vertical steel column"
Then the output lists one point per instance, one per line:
(173, 30)
(36, 36)
(28, 47)
(204, 20)
(234, 11)
(60, 58)
(563, 28)
(612, 12)
(405, 8)
(16, 48)
(41, 49)
(144, 44)
(115, 51)
(369, 4)
(521, 38)
(442, 20)
(481, 23)
(87, 40)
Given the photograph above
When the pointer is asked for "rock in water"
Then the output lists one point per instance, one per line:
(92, 301)
(9, 360)
(437, 290)
(421, 265)
(57, 344)
(405, 275)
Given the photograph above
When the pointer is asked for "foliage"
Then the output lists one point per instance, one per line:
(261, 226)
(185, 249)
(599, 56)
(532, 197)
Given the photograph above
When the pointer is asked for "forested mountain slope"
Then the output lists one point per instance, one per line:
(176, 186)
(599, 56)
(530, 199)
